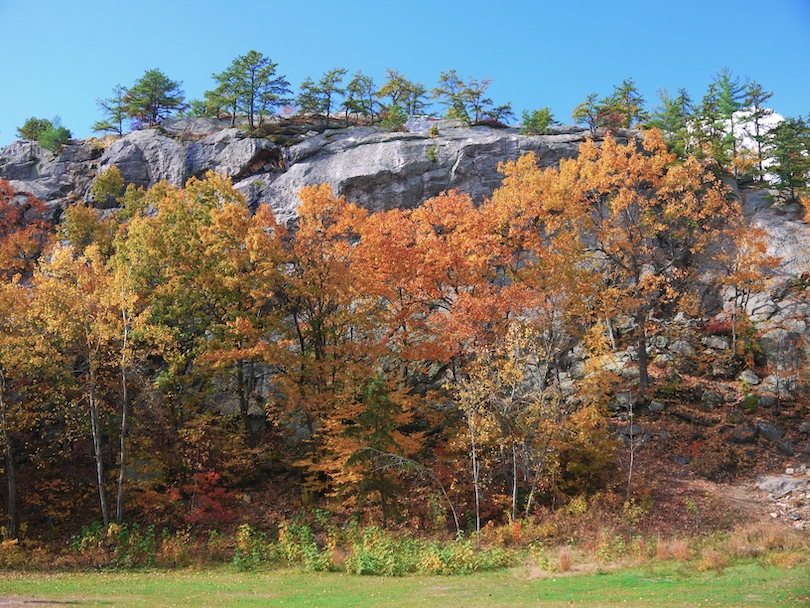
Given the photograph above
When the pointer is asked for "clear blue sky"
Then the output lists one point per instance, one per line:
(60, 56)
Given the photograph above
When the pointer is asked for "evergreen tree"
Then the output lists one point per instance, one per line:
(409, 96)
(755, 97)
(360, 97)
(588, 112)
(672, 118)
(248, 86)
(154, 97)
(329, 89)
(790, 150)
(115, 109)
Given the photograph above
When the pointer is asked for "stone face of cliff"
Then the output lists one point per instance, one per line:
(375, 169)
(380, 170)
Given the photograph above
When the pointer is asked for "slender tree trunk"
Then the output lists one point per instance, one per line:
(96, 427)
(119, 505)
(12, 521)
(475, 483)
(244, 402)
(643, 371)
(514, 481)
(537, 469)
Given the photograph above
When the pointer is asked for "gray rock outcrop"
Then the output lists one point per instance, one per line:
(375, 169)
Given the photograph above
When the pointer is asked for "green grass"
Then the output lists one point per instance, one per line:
(661, 584)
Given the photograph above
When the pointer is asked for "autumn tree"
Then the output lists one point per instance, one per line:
(23, 235)
(328, 334)
(646, 226)
(362, 434)
(24, 231)
(208, 269)
(70, 290)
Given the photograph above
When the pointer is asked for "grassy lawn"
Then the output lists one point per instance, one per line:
(661, 584)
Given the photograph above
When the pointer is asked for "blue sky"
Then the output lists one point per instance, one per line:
(59, 57)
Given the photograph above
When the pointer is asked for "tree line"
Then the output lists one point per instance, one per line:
(731, 123)
(181, 346)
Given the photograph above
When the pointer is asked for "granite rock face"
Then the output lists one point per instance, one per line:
(376, 169)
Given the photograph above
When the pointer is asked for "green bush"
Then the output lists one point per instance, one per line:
(54, 138)
(431, 153)
(536, 122)
(394, 118)
(251, 548)
(50, 134)
(33, 128)
(378, 552)
(297, 546)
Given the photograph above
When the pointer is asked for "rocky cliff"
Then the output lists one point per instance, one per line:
(378, 170)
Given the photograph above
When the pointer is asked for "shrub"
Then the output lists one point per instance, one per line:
(251, 548)
(54, 136)
(536, 122)
(297, 546)
(712, 559)
(108, 186)
(33, 128)
(431, 154)
(393, 119)
(679, 549)
(378, 552)
(175, 549)
(434, 131)
(133, 547)
(750, 404)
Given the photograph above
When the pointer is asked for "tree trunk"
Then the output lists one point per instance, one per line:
(514, 481)
(244, 403)
(475, 484)
(119, 505)
(643, 372)
(96, 427)
(12, 521)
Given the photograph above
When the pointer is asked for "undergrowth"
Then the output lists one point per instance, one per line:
(314, 543)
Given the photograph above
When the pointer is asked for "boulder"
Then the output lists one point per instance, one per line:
(783, 386)
(770, 431)
(786, 447)
(716, 342)
(683, 348)
(750, 378)
(656, 406)
(781, 347)
(743, 434)
(781, 484)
